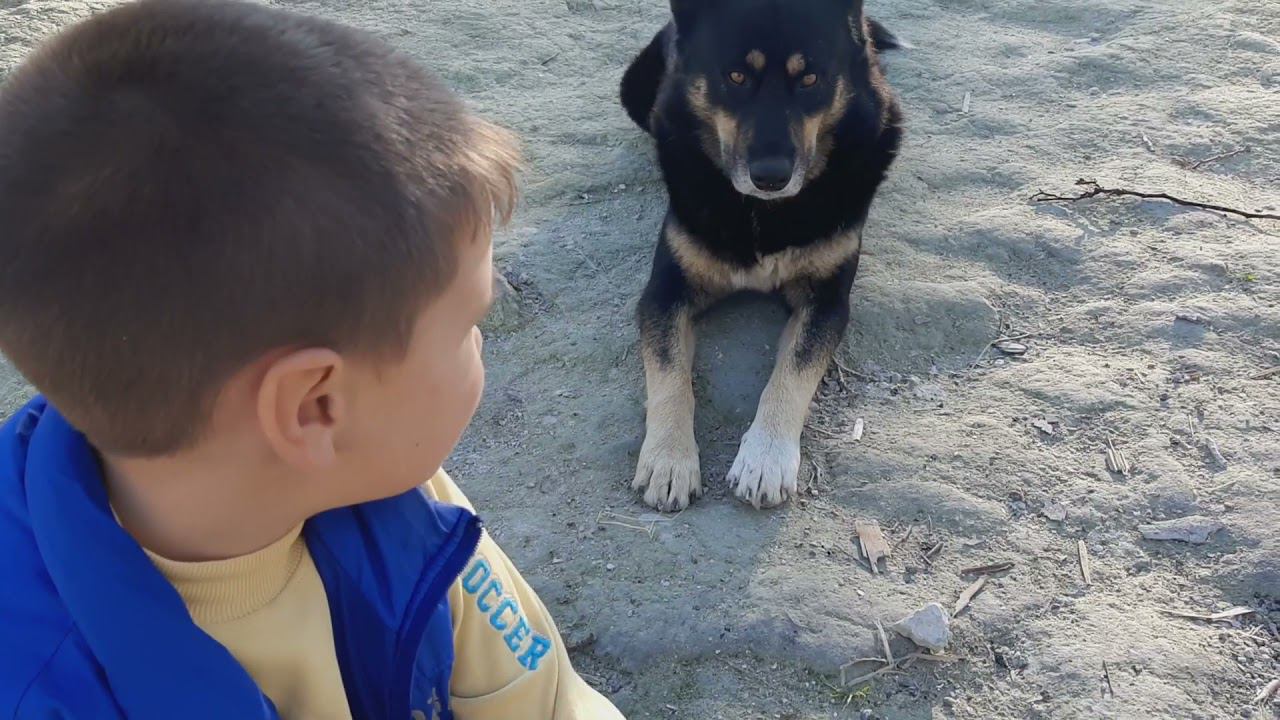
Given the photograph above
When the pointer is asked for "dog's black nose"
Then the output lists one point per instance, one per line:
(771, 174)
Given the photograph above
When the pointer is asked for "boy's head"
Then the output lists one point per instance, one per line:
(217, 214)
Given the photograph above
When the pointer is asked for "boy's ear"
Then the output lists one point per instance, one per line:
(300, 406)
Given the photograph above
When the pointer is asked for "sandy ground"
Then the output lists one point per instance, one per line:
(1146, 324)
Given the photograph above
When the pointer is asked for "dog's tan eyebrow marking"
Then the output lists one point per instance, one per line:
(795, 64)
(756, 59)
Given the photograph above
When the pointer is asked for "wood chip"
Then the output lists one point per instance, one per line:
(858, 427)
(969, 594)
(1106, 673)
(1082, 551)
(1117, 461)
(872, 543)
(967, 98)
(1267, 693)
(1043, 426)
(1234, 612)
(991, 569)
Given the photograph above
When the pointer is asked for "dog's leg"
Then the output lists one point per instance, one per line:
(768, 462)
(668, 470)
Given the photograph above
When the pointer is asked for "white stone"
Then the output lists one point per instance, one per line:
(928, 627)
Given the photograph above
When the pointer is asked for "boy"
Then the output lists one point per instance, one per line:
(244, 255)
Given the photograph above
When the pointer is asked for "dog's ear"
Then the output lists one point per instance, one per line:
(686, 12)
(857, 26)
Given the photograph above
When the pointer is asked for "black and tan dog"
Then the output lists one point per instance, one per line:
(774, 128)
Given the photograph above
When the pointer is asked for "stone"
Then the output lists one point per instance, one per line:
(1055, 511)
(1194, 529)
(929, 627)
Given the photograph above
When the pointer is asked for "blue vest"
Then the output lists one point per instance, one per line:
(90, 629)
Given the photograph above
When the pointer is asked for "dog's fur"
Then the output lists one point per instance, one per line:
(774, 127)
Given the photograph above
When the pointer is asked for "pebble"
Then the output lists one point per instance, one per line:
(610, 567)
(928, 627)
(1194, 529)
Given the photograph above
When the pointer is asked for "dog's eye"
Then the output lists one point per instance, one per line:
(737, 78)
(809, 80)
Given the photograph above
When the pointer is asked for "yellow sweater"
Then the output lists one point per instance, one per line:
(270, 611)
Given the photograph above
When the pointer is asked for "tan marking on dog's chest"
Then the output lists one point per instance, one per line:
(771, 272)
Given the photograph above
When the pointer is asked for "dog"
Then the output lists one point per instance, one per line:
(774, 127)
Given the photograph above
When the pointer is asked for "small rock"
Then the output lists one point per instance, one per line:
(610, 567)
(1055, 511)
(1009, 347)
(1194, 529)
(928, 627)
(930, 392)
(1043, 426)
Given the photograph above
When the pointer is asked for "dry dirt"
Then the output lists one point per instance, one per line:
(1147, 325)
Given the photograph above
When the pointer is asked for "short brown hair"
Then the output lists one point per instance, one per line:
(186, 185)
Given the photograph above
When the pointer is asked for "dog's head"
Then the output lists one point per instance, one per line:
(769, 81)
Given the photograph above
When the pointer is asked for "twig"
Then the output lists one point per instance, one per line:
(1231, 614)
(931, 552)
(1200, 163)
(933, 657)
(861, 376)
(872, 675)
(1093, 189)
(991, 569)
(625, 522)
(884, 642)
(1265, 373)
(967, 596)
(910, 529)
(1082, 552)
(1106, 672)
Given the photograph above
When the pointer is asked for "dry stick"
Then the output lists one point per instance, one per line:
(967, 596)
(1265, 373)
(1093, 189)
(932, 551)
(1107, 674)
(1201, 163)
(991, 569)
(1082, 551)
(884, 641)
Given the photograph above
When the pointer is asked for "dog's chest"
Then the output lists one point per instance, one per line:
(770, 272)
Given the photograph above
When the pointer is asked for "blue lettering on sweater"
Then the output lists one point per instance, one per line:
(504, 613)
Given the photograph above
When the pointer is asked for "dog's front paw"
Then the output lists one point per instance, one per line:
(668, 473)
(765, 471)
